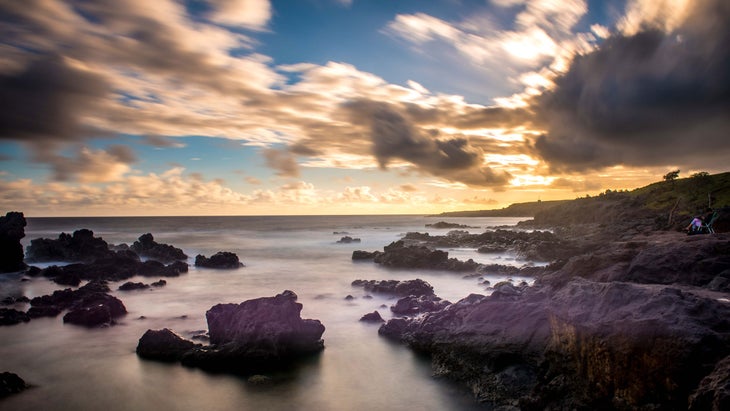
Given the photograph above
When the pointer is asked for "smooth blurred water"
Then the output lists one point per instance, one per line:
(74, 368)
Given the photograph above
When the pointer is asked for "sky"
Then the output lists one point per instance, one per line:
(269, 107)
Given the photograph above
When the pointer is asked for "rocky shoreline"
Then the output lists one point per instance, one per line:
(623, 317)
(630, 321)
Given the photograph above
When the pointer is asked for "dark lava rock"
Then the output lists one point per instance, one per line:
(400, 255)
(626, 346)
(128, 286)
(96, 309)
(444, 224)
(10, 300)
(347, 240)
(221, 259)
(373, 317)
(163, 345)
(714, 390)
(255, 334)
(81, 246)
(364, 255)
(12, 229)
(89, 305)
(10, 316)
(11, 384)
(160, 283)
(415, 287)
(147, 246)
(414, 305)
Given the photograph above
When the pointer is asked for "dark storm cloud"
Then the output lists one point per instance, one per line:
(394, 135)
(45, 101)
(282, 161)
(648, 99)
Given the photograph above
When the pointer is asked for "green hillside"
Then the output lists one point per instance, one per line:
(664, 205)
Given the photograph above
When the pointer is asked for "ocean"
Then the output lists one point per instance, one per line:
(74, 368)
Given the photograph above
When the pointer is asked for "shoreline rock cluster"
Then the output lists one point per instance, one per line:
(250, 337)
(639, 322)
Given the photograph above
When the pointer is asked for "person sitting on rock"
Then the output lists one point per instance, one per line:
(695, 227)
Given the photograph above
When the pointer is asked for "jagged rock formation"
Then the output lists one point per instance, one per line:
(12, 229)
(222, 259)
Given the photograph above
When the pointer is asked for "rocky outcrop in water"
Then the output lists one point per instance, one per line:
(117, 266)
(221, 260)
(347, 240)
(405, 288)
(11, 316)
(601, 330)
(444, 224)
(146, 246)
(12, 230)
(163, 345)
(79, 246)
(400, 255)
(89, 305)
(11, 384)
(247, 337)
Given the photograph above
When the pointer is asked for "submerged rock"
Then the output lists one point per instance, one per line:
(373, 317)
(221, 259)
(347, 240)
(12, 229)
(128, 286)
(89, 305)
(400, 255)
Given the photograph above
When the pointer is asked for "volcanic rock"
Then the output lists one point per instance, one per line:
(10, 316)
(11, 384)
(163, 345)
(414, 305)
(415, 287)
(12, 229)
(347, 240)
(128, 286)
(81, 246)
(221, 259)
(146, 246)
(373, 317)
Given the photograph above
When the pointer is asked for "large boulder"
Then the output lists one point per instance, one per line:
(163, 345)
(245, 338)
(146, 246)
(221, 259)
(12, 229)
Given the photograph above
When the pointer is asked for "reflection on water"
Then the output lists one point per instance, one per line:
(73, 368)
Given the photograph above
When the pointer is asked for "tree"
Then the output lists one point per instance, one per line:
(671, 176)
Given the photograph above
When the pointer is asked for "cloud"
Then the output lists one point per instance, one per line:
(252, 14)
(91, 166)
(394, 135)
(282, 161)
(46, 101)
(645, 99)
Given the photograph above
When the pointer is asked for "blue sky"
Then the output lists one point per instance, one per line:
(131, 107)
